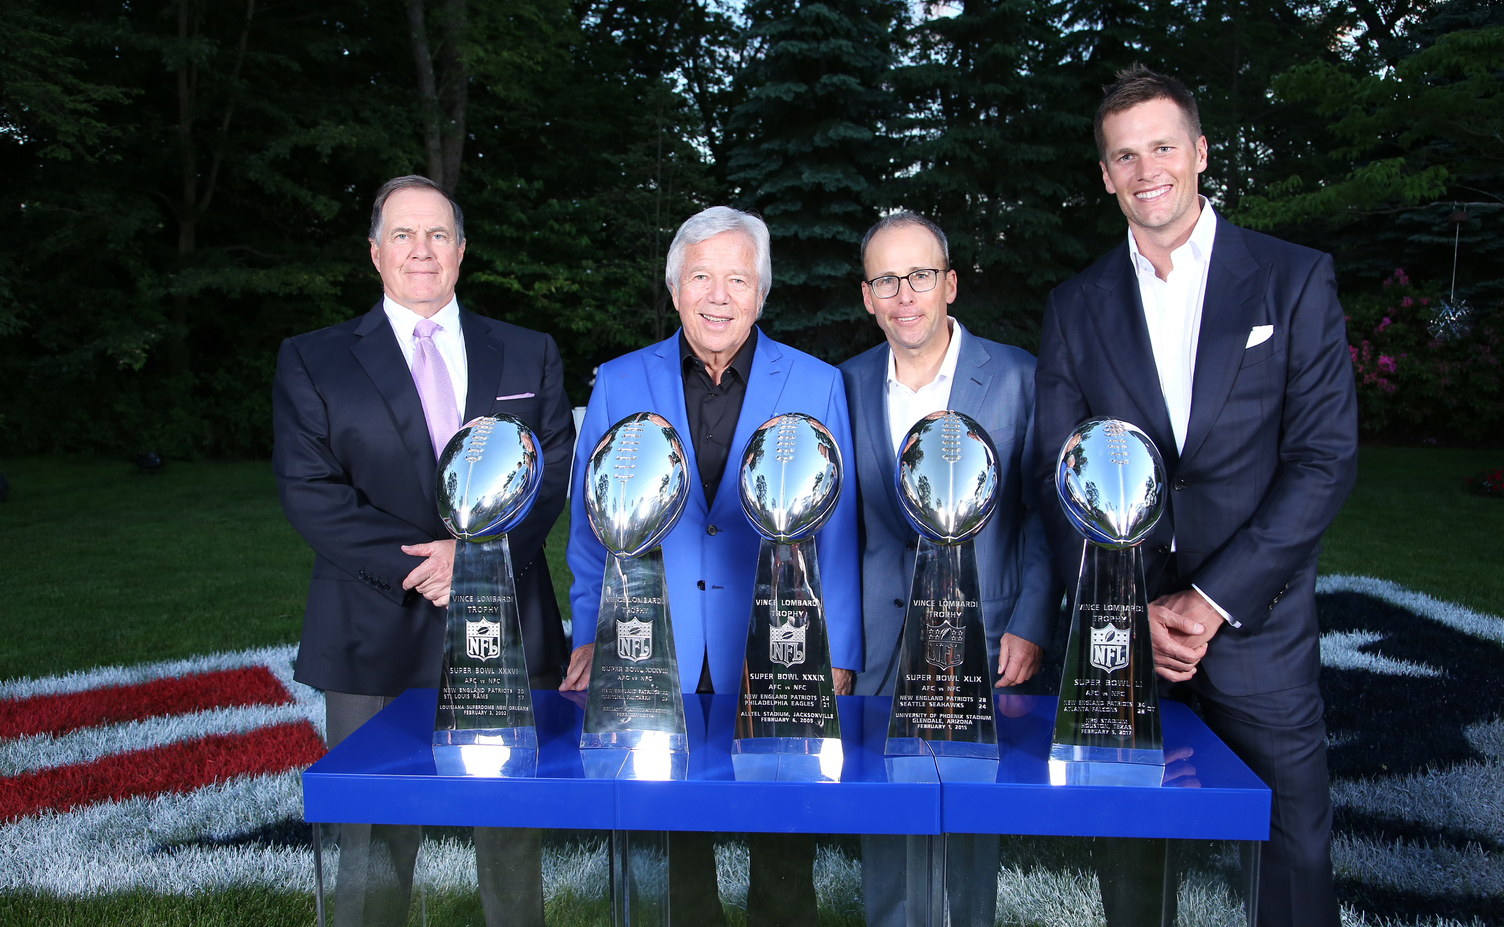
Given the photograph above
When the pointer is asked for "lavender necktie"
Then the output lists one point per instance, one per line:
(434, 386)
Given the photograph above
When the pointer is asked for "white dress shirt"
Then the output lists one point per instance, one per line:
(1172, 311)
(450, 341)
(907, 406)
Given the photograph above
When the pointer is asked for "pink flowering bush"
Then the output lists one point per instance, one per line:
(1488, 483)
(1412, 387)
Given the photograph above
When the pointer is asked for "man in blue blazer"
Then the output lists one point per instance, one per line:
(355, 458)
(929, 362)
(717, 380)
(1228, 348)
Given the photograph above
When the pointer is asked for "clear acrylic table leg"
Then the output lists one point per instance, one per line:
(639, 878)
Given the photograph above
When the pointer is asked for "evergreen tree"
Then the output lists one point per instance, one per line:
(810, 152)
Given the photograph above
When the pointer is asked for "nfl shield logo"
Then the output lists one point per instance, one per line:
(1109, 647)
(482, 640)
(634, 640)
(786, 644)
(944, 645)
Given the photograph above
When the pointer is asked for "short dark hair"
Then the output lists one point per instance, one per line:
(410, 181)
(1138, 84)
(901, 218)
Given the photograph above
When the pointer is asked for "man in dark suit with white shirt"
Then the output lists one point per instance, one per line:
(361, 411)
(930, 362)
(1228, 348)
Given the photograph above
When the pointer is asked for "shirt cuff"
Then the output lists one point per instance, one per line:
(1220, 610)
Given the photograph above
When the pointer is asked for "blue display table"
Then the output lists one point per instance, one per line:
(384, 774)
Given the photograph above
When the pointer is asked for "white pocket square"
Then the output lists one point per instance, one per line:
(530, 395)
(1258, 335)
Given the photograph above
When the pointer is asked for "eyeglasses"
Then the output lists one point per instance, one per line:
(920, 281)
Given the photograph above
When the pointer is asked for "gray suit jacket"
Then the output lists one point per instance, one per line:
(994, 384)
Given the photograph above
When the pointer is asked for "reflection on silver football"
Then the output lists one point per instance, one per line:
(1110, 479)
(488, 477)
(635, 484)
(947, 476)
(790, 477)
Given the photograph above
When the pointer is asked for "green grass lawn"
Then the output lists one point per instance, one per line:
(1411, 521)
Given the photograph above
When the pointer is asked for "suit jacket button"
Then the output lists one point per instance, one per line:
(1161, 549)
(898, 602)
(700, 585)
(910, 544)
(711, 530)
(1178, 485)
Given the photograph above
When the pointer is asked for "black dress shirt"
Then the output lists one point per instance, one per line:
(713, 408)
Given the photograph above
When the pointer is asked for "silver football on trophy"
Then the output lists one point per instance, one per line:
(1111, 482)
(947, 476)
(635, 484)
(488, 477)
(790, 477)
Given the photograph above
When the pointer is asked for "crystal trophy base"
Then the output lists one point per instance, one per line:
(1107, 724)
(787, 727)
(484, 722)
(942, 705)
(634, 714)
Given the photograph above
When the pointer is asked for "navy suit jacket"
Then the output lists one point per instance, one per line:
(994, 384)
(355, 470)
(710, 557)
(1270, 451)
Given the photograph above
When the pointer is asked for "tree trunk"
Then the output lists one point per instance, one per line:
(443, 89)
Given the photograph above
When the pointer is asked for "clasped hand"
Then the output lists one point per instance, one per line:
(1180, 625)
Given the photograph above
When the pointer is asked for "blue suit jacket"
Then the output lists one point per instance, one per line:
(355, 470)
(1270, 452)
(994, 384)
(710, 575)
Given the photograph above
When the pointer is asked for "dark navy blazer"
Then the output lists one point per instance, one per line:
(1270, 451)
(355, 470)
(994, 384)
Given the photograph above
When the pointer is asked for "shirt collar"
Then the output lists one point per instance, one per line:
(947, 371)
(404, 320)
(741, 363)
(1199, 244)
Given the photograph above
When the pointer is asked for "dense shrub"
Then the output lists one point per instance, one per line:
(1413, 386)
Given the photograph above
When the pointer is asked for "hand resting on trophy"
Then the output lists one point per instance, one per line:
(431, 577)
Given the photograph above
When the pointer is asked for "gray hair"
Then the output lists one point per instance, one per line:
(408, 182)
(711, 222)
(899, 219)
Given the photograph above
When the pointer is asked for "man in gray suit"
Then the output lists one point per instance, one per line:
(928, 363)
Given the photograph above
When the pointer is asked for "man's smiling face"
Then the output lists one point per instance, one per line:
(1151, 165)
(915, 321)
(718, 296)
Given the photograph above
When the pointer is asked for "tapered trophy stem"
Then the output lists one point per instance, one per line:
(1107, 726)
(484, 722)
(634, 716)
(786, 722)
(942, 704)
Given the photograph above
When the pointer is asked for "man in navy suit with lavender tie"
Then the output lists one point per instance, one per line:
(360, 413)
(1228, 348)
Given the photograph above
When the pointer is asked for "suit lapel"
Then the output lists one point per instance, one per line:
(1234, 291)
(869, 406)
(666, 387)
(377, 352)
(483, 356)
(973, 377)
(764, 387)
(1117, 311)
